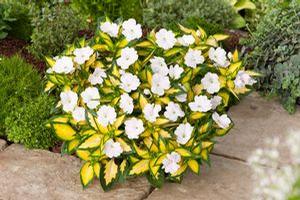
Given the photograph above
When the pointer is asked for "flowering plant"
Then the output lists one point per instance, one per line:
(273, 179)
(151, 105)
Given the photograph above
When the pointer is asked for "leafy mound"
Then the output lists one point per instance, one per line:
(19, 84)
(150, 106)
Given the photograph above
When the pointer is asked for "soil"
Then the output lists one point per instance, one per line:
(233, 42)
(11, 46)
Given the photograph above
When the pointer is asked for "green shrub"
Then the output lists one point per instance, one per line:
(254, 16)
(164, 13)
(276, 39)
(210, 28)
(54, 27)
(113, 9)
(26, 124)
(287, 82)
(19, 84)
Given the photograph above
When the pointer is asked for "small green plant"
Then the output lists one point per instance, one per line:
(27, 123)
(275, 40)
(164, 13)
(55, 27)
(19, 84)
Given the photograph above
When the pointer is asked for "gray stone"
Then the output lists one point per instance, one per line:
(226, 180)
(38, 174)
(257, 119)
(3, 145)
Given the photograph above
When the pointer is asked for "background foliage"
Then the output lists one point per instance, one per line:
(14, 20)
(274, 42)
(113, 9)
(54, 27)
(164, 13)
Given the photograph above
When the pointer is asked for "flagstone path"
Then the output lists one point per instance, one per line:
(38, 174)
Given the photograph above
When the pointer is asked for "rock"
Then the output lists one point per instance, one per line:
(257, 119)
(3, 145)
(38, 174)
(226, 180)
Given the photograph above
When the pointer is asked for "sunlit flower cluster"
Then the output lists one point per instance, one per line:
(152, 105)
(277, 177)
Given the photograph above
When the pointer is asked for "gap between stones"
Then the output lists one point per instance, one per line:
(229, 157)
(148, 194)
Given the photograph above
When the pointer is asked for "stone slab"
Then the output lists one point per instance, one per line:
(226, 180)
(38, 174)
(3, 145)
(257, 119)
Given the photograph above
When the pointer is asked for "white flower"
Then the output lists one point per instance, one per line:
(133, 128)
(97, 76)
(223, 121)
(201, 104)
(112, 149)
(170, 163)
(68, 100)
(82, 54)
(128, 57)
(215, 101)
(165, 39)
(79, 114)
(173, 111)
(131, 30)
(151, 112)
(242, 79)
(110, 28)
(64, 65)
(211, 83)
(175, 71)
(183, 133)
(218, 56)
(126, 103)
(160, 83)
(293, 141)
(186, 40)
(129, 82)
(106, 115)
(91, 97)
(158, 65)
(193, 57)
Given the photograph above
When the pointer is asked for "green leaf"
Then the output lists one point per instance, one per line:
(244, 4)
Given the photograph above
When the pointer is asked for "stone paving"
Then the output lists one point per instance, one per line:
(37, 174)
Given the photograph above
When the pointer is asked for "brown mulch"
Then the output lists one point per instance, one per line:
(233, 42)
(11, 46)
